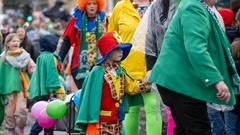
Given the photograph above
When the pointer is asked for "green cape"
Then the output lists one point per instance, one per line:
(45, 79)
(10, 79)
(90, 99)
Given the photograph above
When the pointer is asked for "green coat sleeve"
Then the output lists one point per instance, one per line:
(196, 44)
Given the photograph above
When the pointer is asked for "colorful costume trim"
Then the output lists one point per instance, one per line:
(91, 30)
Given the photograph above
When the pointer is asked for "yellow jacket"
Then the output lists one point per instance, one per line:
(124, 20)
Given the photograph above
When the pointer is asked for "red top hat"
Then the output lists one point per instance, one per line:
(110, 41)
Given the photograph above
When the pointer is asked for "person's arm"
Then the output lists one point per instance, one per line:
(65, 46)
(151, 41)
(196, 28)
(69, 36)
(31, 66)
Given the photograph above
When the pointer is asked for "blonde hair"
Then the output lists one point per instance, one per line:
(9, 37)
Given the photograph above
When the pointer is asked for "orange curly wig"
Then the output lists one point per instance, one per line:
(82, 4)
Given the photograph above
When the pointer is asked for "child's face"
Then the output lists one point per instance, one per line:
(14, 44)
(92, 8)
(116, 54)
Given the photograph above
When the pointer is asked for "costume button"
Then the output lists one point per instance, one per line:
(117, 104)
(88, 34)
(120, 101)
(206, 80)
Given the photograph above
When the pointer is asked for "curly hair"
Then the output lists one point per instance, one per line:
(82, 4)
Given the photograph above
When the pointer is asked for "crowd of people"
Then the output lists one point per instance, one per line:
(175, 60)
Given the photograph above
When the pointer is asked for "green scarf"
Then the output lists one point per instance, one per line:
(83, 67)
(225, 43)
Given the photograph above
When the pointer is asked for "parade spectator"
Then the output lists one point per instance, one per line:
(221, 115)
(22, 34)
(161, 13)
(14, 64)
(193, 67)
(84, 28)
(45, 80)
(235, 113)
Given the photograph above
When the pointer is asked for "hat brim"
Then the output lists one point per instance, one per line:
(126, 47)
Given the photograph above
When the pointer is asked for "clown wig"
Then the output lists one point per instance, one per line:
(82, 4)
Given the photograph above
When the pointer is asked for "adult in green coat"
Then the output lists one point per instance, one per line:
(194, 67)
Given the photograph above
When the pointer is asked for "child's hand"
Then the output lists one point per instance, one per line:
(144, 87)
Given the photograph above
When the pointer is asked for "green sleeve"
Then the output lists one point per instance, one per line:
(196, 29)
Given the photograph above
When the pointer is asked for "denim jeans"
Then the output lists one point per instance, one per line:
(232, 123)
(36, 129)
(224, 123)
(217, 119)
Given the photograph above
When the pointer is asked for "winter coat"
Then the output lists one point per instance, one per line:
(194, 55)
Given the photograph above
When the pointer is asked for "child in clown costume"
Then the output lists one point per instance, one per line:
(132, 11)
(101, 106)
(84, 28)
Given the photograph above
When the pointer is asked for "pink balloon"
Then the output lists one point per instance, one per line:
(45, 121)
(38, 107)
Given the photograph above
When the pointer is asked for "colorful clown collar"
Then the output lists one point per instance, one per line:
(78, 15)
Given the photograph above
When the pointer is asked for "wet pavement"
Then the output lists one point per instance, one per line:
(30, 122)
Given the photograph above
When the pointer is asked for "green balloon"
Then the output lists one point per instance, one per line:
(56, 109)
